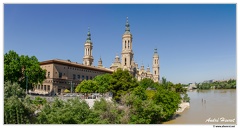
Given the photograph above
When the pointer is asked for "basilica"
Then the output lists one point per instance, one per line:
(65, 74)
(127, 59)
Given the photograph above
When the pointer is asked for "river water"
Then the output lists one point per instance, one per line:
(209, 107)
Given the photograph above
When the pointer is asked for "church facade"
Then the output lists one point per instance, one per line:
(64, 74)
(126, 62)
(127, 59)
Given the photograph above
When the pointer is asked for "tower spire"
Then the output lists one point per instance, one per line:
(127, 27)
(88, 46)
(88, 36)
(100, 62)
(156, 70)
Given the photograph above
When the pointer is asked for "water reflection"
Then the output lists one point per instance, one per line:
(207, 105)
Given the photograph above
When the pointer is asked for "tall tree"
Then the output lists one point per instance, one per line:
(168, 100)
(122, 83)
(103, 82)
(19, 68)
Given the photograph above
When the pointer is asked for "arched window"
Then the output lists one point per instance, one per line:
(125, 43)
(155, 61)
(155, 72)
(128, 44)
(125, 61)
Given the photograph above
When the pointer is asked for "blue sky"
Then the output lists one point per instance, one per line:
(195, 42)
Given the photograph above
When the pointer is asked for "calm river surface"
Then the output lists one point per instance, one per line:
(220, 108)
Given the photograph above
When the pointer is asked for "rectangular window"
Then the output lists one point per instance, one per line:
(41, 87)
(48, 74)
(82, 77)
(60, 75)
(74, 76)
(90, 77)
(48, 87)
(86, 77)
(78, 76)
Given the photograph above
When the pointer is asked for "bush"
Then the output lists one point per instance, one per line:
(186, 98)
(66, 91)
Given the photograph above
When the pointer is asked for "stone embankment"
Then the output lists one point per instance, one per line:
(183, 106)
(90, 102)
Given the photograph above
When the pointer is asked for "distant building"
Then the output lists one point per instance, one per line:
(64, 74)
(208, 81)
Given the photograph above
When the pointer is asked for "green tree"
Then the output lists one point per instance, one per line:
(146, 82)
(38, 102)
(150, 94)
(87, 86)
(73, 111)
(103, 82)
(169, 101)
(145, 112)
(179, 89)
(139, 111)
(140, 92)
(16, 110)
(107, 111)
(16, 68)
(164, 81)
(167, 84)
(13, 89)
(121, 83)
(186, 98)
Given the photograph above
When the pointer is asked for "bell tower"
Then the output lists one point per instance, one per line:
(88, 58)
(155, 67)
(127, 53)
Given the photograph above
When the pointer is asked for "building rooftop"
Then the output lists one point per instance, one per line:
(75, 64)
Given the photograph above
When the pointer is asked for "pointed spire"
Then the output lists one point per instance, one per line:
(148, 69)
(127, 27)
(88, 36)
(100, 62)
(155, 50)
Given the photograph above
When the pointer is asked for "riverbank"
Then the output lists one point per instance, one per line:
(183, 106)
